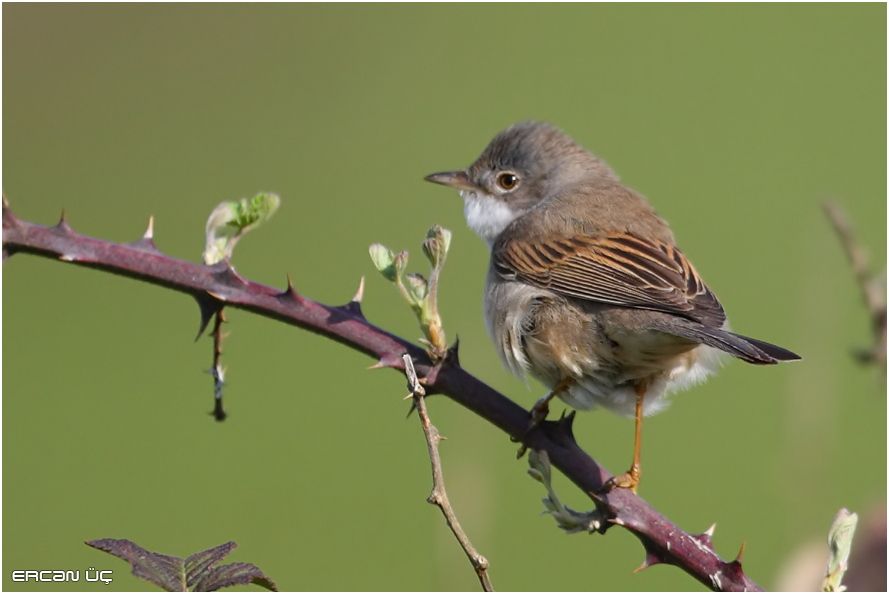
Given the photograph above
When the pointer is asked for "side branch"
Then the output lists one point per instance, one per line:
(873, 290)
(439, 495)
(220, 285)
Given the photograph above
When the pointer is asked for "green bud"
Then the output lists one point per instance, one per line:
(417, 287)
(437, 244)
(400, 263)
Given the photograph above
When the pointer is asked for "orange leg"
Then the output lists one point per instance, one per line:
(630, 479)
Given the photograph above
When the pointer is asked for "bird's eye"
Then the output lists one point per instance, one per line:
(507, 181)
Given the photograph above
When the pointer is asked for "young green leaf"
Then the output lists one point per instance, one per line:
(384, 260)
(231, 220)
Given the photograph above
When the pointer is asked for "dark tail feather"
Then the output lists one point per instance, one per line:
(777, 353)
(751, 350)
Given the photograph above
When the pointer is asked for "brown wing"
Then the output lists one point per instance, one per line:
(620, 269)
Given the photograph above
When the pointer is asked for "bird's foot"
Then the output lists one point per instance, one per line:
(628, 480)
(539, 412)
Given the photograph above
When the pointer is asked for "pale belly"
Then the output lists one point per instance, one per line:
(545, 336)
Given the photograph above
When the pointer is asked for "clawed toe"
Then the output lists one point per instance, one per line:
(628, 480)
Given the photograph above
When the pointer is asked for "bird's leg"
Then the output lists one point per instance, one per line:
(630, 479)
(541, 409)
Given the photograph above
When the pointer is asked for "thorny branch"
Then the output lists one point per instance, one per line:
(872, 286)
(220, 285)
(439, 495)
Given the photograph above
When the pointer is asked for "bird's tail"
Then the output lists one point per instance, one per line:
(751, 350)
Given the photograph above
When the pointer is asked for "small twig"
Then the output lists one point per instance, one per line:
(873, 288)
(439, 495)
(217, 370)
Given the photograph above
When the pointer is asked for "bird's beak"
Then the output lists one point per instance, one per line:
(453, 179)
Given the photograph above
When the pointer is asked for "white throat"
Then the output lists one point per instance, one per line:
(485, 215)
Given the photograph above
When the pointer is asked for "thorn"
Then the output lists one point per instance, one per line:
(387, 361)
(68, 258)
(453, 353)
(63, 225)
(706, 537)
(568, 420)
(596, 497)
(289, 293)
(740, 556)
(650, 559)
(9, 219)
(359, 293)
(146, 242)
(209, 307)
(411, 410)
(354, 306)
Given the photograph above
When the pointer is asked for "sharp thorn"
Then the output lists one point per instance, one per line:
(387, 361)
(596, 496)
(740, 556)
(146, 242)
(409, 396)
(63, 225)
(354, 306)
(453, 353)
(359, 293)
(650, 559)
(706, 537)
(209, 307)
(411, 410)
(289, 291)
(9, 219)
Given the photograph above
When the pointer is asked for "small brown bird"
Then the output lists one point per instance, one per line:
(586, 289)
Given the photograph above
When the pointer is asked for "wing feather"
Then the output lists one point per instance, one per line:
(619, 269)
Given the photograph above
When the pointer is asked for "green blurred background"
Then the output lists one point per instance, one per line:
(736, 121)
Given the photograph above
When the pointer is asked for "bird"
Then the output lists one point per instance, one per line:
(586, 289)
